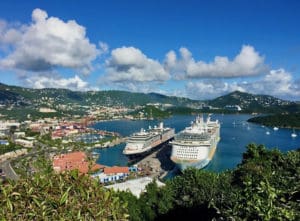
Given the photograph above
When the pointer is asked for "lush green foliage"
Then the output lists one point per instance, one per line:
(24, 112)
(27, 101)
(8, 148)
(265, 186)
(27, 96)
(68, 196)
(268, 183)
(280, 120)
(150, 111)
(255, 103)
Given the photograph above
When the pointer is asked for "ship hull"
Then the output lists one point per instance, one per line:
(198, 165)
(134, 152)
(133, 158)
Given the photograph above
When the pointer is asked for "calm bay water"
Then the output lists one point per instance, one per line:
(236, 134)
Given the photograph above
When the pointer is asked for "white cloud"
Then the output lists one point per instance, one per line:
(42, 81)
(210, 89)
(141, 87)
(278, 83)
(103, 47)
(46, 43)
(8, 35)
(131, 65)
(247, 63)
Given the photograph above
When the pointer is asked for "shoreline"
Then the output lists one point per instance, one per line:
(287, 120)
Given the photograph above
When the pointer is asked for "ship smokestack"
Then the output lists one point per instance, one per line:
(161, 125)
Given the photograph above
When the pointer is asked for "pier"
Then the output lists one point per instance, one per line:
(118, 141)
(158, 164)
(112, 143)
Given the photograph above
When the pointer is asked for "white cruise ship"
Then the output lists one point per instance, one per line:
(145, 142)
(195, 146)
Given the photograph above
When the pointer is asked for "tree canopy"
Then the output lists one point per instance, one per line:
(264, 186)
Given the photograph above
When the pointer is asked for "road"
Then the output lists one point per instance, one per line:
(8, 170)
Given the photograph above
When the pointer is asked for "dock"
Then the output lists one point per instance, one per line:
(113, 143)
(158, 163)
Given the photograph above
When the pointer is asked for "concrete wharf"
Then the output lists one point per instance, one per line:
(158, 163)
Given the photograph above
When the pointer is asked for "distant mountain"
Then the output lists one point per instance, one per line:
(39, 97)
(254, 103)
(9, 96)
(67, 100)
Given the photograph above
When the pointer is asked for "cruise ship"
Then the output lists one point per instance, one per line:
(195, 146)
(146, 141)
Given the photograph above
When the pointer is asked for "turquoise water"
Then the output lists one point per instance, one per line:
(236, 133)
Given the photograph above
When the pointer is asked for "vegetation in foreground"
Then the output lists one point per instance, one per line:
(265, 186)
(67, 196)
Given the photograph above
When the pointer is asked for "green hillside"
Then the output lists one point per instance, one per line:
(13, 94)
(255, 103)
(150, 112)
(26, 101)
(278, 120)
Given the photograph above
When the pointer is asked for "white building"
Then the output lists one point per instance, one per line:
(233, 107)
(136, 186)
(24, 143)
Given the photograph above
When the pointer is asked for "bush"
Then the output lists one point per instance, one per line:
(67, 196)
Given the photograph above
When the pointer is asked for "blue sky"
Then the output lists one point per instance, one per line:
(195, 49)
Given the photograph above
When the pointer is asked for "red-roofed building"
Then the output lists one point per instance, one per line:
(116, 170)
(112, 174)
(72, 161)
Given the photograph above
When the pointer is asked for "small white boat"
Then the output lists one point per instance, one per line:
(275, 128)
(293, 134)
(268, 133)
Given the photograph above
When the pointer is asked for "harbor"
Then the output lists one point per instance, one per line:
(233, 142)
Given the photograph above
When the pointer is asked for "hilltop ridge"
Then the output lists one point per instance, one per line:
(255, 103)
(67, 102)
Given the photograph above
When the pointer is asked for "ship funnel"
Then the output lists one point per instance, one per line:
(161, 125)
